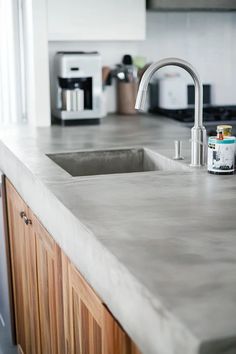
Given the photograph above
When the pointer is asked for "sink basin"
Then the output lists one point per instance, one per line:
(102, 162)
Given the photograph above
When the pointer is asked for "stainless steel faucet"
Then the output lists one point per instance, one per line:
(198, 132)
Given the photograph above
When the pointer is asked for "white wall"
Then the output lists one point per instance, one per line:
(206, 39)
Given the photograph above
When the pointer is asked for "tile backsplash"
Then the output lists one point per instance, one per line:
(206, 39)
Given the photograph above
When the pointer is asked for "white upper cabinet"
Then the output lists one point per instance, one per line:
(96, 19)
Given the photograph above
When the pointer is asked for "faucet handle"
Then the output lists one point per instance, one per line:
(178, 148)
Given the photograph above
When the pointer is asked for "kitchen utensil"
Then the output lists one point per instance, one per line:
(106, 71)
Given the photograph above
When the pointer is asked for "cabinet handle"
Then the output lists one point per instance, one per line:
(22, 214)
(27, 221)
(24, 217)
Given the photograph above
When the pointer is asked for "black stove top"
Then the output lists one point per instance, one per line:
(212, 116)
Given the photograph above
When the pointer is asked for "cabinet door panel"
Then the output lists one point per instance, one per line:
(96, 20)
(22, 248)
(89, 326)
(86, 312)
(116, 339)
(49, 291)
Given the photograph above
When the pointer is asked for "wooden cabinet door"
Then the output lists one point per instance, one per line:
(24, 278)
(89, 326)
(83, 313)
(116, 339)
(48, 257)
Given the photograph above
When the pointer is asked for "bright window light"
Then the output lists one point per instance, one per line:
(11, 88)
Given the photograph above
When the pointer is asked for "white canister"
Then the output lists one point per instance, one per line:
(79, 99)
(221, 155)
(66, 96)
(74, 99)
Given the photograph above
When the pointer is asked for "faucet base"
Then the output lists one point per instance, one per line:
(198, 143)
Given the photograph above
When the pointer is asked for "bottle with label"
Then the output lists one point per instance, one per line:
(221, 151)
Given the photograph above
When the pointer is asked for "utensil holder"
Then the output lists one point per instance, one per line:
(126, 97)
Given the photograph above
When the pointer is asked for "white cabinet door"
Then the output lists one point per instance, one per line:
(96, 19)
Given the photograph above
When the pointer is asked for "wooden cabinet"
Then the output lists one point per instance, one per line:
(56, 311)
(36, 269)
(96, 20)
(89, 326)
(24, 277)
(48, 262)
(83, 313)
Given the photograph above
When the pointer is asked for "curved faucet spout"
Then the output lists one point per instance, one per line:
(198, 155)
(142, 92)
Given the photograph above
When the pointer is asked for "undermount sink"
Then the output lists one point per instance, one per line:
(102, 162)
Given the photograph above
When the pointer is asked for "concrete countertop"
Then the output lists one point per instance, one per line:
(158, 247)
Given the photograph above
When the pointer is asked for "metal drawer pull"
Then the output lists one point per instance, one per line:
(27, 221)
(22, 214)
(24, 217)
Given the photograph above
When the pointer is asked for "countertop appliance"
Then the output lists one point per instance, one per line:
(7, 334)
(191, 5)
(172, 92)
(77, 86)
